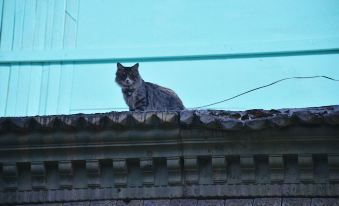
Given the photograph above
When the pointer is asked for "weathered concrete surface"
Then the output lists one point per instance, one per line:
(183, 202)
(255, 119)
(325, 202)
(267, 202)
(211, 202)
(296, 201)
(239, 202)
(156, 202)
(206, 202)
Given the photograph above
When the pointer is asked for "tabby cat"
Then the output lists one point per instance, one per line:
(145, 96)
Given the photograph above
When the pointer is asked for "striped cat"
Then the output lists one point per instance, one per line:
(145, 96)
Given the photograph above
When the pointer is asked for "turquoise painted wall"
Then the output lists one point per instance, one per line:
(59, 56)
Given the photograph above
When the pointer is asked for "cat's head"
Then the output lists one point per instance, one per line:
(127, 77)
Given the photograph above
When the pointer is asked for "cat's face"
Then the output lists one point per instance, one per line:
(127, 76)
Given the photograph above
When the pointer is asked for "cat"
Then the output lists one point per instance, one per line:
(145, 96)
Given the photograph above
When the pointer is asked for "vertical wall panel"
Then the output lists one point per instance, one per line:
(1, 10)
(34, 92)
(25, 71)
(7, 25)
(49, 24)
(53, 89)
(4, 78)
(40, 24)
(14, 89)
(29, 25)
(11, 106)
(71, 22)
(70, 34)
(24, 74)
(6, 38)
(46, 66)
(55, 69)
(19, 24)
(58, 24)
(38, 44)
(43, 89)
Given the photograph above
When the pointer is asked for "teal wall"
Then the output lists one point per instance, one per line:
(58, 56)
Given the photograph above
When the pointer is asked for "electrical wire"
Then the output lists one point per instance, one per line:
(261, 87)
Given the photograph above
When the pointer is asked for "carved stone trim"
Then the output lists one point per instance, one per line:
(333, 166)
(191, 170)
(38, 175)
(247, 169)
(66, 174)
(306, 170)
(93, 173)
(146, 166)
(193, 191)
(276, 164)
(10, 176)
(120, 172)
(219, 169)
(174, 171)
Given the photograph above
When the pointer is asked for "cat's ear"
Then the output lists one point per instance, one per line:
(120, 66)
(135, 66)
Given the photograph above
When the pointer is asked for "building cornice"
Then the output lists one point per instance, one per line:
(153, 155)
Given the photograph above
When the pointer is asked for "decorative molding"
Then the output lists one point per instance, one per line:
(93, 173)
(247, 168)
(191, 170)
(174, 171)
(209, 120)
(219, 169)
(38, 175)
(164, 158)
(276, 164)
(333, 166)
(173, 192)
(120, 172)
(66, 174)
(306, 170)
(10, 175)
(147, 169)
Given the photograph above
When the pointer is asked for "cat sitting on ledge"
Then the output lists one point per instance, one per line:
(145, 96)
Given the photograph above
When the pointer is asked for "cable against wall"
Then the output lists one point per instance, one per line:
(261, 87)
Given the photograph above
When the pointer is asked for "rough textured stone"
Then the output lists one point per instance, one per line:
(267, 202)
(156, 202)
(239, 202)
(46, 204)
(104, 203)
(325, 202)
(187, 117)
(129, 203)
(231, 124)
(208, 121)
(332, 118)
(211, 202)
(76, 204)
(213, 119)
(296, 202)
(183, 202)
(256, 124)
(206, 202)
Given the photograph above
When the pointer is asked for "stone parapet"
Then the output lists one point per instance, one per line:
(207, 157)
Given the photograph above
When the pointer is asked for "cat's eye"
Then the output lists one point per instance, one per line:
(132, 76)
(122, 75)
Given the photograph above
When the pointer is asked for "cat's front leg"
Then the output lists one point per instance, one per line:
(141, 104)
